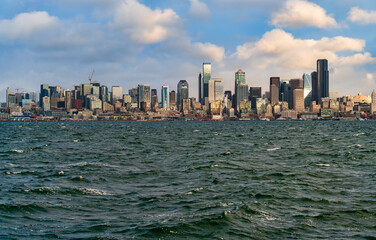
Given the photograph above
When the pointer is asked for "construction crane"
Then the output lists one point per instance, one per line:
(91, 77)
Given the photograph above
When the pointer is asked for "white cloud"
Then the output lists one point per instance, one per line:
(25, 25)
(362, 16)
(300, 13)
(145, 25)
(281, 49)
(199, 10)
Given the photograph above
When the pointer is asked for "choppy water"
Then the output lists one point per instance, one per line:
(188, 180)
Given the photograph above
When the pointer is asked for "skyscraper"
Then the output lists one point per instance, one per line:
(173, 100)
(239, 77)
(215, 89)
(183, 92)
(274, 90)
(242, 93)
(373, 103)
(322, 78)
(200, 88)
(307, 85)
(254, 92)
(44, 92)
(154, 98)
(8, 92)
(165, 97)
(117, 93)
(144, 95)
(205, 80)
(314, 87)
(68, 100)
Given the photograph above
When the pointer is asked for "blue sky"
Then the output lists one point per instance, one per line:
(159, 42)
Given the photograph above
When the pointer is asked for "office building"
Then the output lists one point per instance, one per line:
(298, 100)
(103, 93)
(165, 93)
(154, 99)
(44, 92)
(241, 93)
(68, 100)
(216, 89)
(307, 86)
(274, 90)
(254, 93)
(322, 78)
(200, 87)
(117, 94)
(183, 92)
(144, 95)
(240, 77)
(315, 90)
(206, 76)
(373, 103)
(173, 99)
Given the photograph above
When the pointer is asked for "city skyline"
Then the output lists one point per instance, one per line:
(61, 42)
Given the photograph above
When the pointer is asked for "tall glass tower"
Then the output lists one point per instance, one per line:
(307, 85)
(239, 77)
(165, 97)
(183, 93)
(206, 76)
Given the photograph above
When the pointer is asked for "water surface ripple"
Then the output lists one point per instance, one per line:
(188, 180)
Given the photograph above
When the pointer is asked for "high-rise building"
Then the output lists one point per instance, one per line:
(307, 85)
(68, 100)
(201, 87)
(154, 99)
(254, 93)
(315, 90)
(183, 92)
(215, 89)
(298, 99)
(44, 92)
(46, 103)
(205, 80)
(144, 95)
(165, 97)
(274, 90)
(241, 94)
(173, 99)
(239, 77)
(8, 92)
(117, 94)
(322, 78)
(373, 102)
(103, 93)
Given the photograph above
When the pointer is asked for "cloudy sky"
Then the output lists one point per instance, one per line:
(156, 42)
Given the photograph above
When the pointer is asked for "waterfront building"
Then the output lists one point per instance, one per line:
(274, 90)
(144, 95)
(173, 100)
(307, 85)
(205, 81)
(322, 78)
(183, 92)
(373, 102)
(215, 89)
(117, 94)
(165, 93)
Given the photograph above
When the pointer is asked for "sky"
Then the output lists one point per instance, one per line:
(158, 42)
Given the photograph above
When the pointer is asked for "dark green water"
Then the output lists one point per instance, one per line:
(188, 180)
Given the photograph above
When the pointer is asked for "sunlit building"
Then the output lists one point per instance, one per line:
(307, 85)
(165, 97)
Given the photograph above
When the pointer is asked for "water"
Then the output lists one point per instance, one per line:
(188, 180)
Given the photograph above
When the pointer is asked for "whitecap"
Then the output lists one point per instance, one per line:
(94, 191)
(274, 149)
(75, 141)
(323, 165)
(358, 134)
(198, 189)
(213, 166)
(226, 204)
(196, 130)
(17, 151)
(61, 173)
